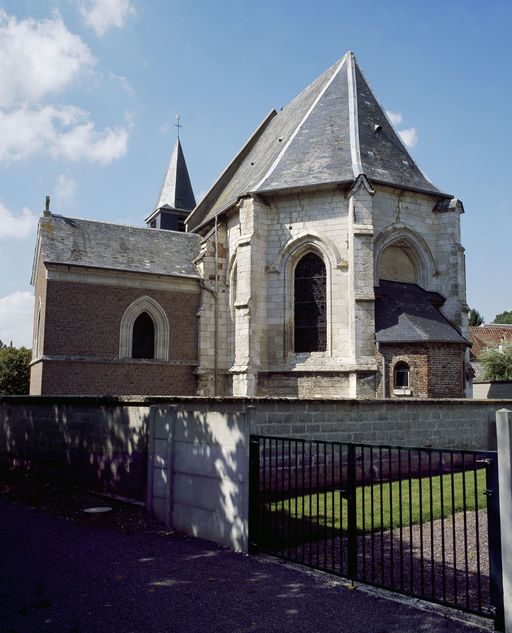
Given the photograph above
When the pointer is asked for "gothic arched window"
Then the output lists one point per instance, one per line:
(310, 305)
(143, 341)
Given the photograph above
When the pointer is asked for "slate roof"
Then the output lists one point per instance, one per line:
(325, 136)
(78, 242)
(488, 336)
(176, 192)
(405, 313)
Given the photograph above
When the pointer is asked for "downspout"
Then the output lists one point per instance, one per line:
(216, 315)
(383, 371)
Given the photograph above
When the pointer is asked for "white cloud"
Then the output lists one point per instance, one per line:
(65, 188)
(59, 131)
(394, 117)
(37, 58)
(409, 137)
(103, 15)
(16, 318)
(16, 226)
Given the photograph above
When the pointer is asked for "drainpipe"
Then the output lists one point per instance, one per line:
(383, 371)
(216, 315)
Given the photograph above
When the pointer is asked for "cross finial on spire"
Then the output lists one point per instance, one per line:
(178, 125)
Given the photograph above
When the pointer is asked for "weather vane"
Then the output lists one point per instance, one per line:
(178, 125)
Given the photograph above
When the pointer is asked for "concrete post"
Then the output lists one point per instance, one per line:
(504, 439)
(245, 470)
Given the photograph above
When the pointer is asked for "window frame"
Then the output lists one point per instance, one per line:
(402, 367)
(160, 322)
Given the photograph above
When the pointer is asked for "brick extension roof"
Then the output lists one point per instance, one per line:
(405, 313)
(488, 336)
(104, 245)
(332, 132)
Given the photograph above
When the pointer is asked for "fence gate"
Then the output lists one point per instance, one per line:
(419, 521)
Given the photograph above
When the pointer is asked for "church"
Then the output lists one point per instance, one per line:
(321, 264)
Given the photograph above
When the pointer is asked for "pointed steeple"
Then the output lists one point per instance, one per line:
(332, 132)
(176, 198)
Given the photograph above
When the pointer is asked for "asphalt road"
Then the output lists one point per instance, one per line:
(59, 576)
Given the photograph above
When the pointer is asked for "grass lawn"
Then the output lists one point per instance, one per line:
(383, 502)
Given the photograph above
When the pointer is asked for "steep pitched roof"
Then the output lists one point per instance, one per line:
(94, 244)
(332, 132)
(405, 313)
(488, 336)
(176, 192)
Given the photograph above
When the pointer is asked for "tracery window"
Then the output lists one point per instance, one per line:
(310, 305)
(401, 376)
(143, 342)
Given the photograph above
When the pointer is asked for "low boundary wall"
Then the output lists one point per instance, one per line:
(198, 446)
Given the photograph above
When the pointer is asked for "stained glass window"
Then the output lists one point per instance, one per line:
(310, 304)
(143, 345)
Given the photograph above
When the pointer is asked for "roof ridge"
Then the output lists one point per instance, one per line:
(355, 147)
(233, 165)
(301, 123)
(112, 223)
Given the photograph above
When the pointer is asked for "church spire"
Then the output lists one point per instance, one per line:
(176, 198)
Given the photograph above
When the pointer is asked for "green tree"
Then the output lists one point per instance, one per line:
(475, 318)
(497, 362)
(504, 318)
(14, 370)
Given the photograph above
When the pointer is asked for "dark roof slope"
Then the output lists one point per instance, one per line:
(405, 313)
(326, 135)
(116, 246)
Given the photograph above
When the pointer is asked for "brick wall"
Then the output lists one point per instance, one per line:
(435, 370)
(446, 371)
(81, 342)
(83, 319)
(121, 378)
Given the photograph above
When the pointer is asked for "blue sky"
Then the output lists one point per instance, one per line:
(89, 90)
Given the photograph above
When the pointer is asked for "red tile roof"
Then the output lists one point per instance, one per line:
(488, 336)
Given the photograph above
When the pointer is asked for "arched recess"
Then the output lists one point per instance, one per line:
(292, 254)
(416, 249)
(311, 240)
(156, 312)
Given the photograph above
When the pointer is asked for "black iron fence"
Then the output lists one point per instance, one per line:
(419, 521)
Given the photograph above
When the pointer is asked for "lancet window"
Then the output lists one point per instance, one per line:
(310, 304)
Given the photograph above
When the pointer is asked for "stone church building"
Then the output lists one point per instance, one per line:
(322, 263)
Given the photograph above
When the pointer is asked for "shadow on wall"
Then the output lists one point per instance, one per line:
(199, 472)
(91, 440)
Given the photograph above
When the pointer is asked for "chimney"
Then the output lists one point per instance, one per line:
(47, 211)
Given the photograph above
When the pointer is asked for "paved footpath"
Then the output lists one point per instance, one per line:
(63, 577)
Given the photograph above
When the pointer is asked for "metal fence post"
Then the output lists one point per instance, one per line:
(351, 512)
(504, 440)
(254, 494)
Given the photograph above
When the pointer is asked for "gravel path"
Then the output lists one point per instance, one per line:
(439, 560)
